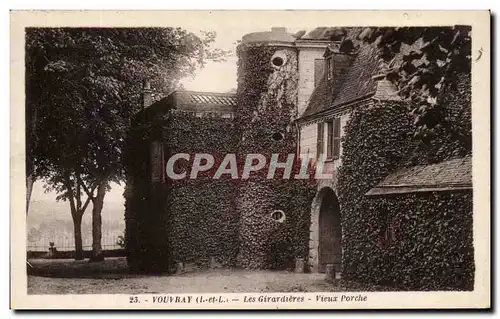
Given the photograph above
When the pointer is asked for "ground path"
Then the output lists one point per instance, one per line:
(201, 281)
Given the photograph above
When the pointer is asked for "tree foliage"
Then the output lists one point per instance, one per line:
(438, 57)
(82, 87)
(86, 84)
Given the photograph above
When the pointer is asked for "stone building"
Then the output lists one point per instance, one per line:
(296, 93)
(249, 223)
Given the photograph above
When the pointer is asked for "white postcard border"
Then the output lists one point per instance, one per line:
(480, 22)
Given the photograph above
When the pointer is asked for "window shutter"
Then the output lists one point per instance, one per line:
(319, 146)
(336, 137)
(329, 69)
(319, 69)
(157, 161)
(329, 143)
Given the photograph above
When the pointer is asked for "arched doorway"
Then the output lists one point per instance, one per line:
(330, 232)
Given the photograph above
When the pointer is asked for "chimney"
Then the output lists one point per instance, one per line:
(147, 94)
(385, 89)
(278, 29)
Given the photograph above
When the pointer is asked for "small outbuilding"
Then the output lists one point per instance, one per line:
(448, 176)
(425, 215)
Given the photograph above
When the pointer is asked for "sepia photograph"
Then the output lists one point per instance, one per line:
(280, 163)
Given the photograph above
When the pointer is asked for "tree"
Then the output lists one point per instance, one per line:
(84, 85)
(70, 189)
(439, 56)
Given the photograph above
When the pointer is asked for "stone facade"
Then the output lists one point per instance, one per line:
(308, 145)
(309, 56)
(264, 111)
(350, 81)
(287, 90)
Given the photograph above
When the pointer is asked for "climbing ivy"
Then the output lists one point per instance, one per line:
(267, 98)
(431, 246)
(187, 220)
(194, 220)
(203, 221)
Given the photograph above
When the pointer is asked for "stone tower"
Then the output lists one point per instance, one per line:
(274, 212)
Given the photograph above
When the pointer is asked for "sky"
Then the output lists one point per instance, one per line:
(214, 77)
(221, 76)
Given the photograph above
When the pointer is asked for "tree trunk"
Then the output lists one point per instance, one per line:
(98, 202)
(30, 180)
(77, 224)
(31, 121)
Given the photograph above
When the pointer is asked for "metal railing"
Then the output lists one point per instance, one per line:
(69, 247)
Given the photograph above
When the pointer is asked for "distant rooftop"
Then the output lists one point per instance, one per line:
(325, 33)
(204, 98)
(203, 102)
(198, 103)
(450, 175)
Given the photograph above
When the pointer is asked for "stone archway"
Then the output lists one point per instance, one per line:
(325, 244)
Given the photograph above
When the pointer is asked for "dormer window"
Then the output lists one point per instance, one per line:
(329, 67)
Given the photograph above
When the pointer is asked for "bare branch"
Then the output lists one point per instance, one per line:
(90, 193)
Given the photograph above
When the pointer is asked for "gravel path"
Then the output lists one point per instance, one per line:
(211, 281)
(65, 276)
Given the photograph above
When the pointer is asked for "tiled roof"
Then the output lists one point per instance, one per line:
(359, 82)
(326, 33)
(191, 101)
(320, 98)
(204, 101)
(323, 33)
(356, 83)
(191, 97)
(450, 175)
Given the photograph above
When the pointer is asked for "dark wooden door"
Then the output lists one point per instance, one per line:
(330, 234)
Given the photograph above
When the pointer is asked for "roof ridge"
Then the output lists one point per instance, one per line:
(205, 93)
(455, 173)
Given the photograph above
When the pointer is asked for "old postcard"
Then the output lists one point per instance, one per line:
(250, 159)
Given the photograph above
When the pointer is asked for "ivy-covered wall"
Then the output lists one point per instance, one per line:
(187, 220)
(193, 220)
(431, 244)
(203, 219)
(267, 107)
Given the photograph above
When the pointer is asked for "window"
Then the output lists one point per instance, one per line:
(157, 161)
(387, 231)
(277, 136)
(329, 143)
(278, 59)
(333, 142)
(329, 67)
(319, 146)
(336, 138)
(278, 215)
(319, 70)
